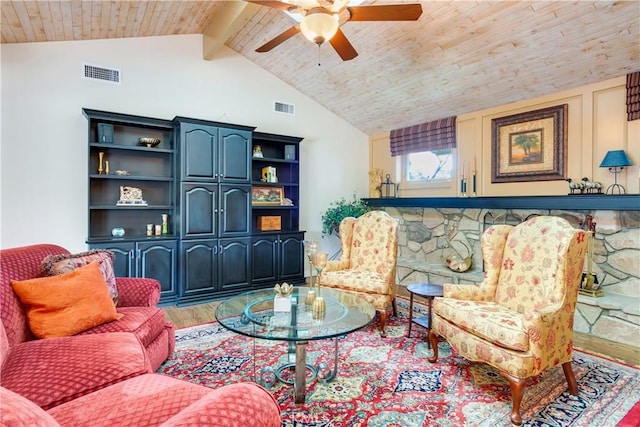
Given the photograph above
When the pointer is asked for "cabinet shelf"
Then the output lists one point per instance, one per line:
(274, 184)
(128, 208)
(141, 238)
(255, 207)
(273, 160)
(132, 177)
(109, 146)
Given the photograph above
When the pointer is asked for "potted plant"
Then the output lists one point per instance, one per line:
(339, 210)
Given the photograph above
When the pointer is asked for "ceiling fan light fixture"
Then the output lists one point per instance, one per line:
(319, 25)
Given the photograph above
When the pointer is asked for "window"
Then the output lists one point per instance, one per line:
(428, 166)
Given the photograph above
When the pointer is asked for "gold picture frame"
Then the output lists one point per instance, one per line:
(267, 195)
(530, 146)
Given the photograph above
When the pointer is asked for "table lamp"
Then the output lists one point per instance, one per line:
(615, 160)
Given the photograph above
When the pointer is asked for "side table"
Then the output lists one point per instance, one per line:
(428, 291)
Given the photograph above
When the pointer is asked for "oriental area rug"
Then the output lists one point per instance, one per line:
(389, 382)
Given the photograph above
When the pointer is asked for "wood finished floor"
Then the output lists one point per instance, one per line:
(204, 313)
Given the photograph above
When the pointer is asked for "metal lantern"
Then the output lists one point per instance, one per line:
(389, 188)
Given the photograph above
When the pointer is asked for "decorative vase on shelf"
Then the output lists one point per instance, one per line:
(117, 232)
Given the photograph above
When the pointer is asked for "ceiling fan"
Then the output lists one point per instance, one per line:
(321, 20)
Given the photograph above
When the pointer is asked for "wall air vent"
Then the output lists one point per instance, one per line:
(95, 72)
(283, 107)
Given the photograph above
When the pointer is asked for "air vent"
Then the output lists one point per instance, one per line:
(95, 72)
(282, 107)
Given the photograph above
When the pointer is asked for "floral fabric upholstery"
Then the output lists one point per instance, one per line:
(520, 318)
(368, 262)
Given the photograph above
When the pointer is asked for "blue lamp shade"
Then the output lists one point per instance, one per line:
(615, 158)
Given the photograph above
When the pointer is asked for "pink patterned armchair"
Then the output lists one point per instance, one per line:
(367, 266)
(520, 318)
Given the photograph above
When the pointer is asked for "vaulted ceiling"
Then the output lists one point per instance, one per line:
(460, 56)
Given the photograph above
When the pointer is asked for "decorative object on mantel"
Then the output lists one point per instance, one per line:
(530, 146)
(375, 183)
(339, 210)
(616, 160)
(390, 188)
(591, 187)
(575, 186)
(451, 257)
(590, 285)
(149, 142)
(584, 186)
(131, 196)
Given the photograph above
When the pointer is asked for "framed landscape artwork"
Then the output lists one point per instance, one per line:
(267, 195)
(530, 146)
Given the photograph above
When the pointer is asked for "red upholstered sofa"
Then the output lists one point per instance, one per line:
(104, 375)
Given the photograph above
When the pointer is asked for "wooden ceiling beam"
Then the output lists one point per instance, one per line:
(230, 17)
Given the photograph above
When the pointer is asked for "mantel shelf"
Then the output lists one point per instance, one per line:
(623, 202)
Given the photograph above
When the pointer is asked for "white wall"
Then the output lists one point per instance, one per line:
(43, 146)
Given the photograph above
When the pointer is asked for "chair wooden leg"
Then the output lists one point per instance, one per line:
(571, 378)
(395, 307)
(383, 322)
(433, 339)
(517, 387)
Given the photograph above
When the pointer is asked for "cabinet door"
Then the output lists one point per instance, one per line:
(235, 155)
(235, 210)
(199, 269)
(292, 256)
(234, 259)
(199, 210)
(158, 260)
(264, 259)
(123, 264)
(199, 152)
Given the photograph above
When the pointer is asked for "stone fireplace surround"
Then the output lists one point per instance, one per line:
(616, 259)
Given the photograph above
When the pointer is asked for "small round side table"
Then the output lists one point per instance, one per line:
(428, 291)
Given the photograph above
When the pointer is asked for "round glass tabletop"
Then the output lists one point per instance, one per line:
(252, 314)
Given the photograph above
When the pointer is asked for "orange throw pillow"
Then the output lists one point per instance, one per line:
(66, 304)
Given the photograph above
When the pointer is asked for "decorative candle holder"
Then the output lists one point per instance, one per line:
(100, 160)
(319, 308)
(311, 247)
(320, 262)
(310, 297)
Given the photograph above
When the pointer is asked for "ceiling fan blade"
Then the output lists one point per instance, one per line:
(279, 39)
(275, 4)
(342, 46)
(395, 12)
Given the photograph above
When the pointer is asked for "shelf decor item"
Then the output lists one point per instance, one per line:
(269, 174)
(105, 133)
(117, 232)
(149, 142)
(165, 223)
(130, 196)
(267, 196)
(257, 151)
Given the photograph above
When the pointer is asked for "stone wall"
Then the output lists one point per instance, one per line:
(425, 235)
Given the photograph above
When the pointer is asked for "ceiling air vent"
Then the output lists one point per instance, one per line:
(101, 73)
(282, 107)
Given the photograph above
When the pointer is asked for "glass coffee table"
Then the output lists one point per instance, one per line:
(252, 314)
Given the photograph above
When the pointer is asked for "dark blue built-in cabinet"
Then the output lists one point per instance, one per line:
(201, 176)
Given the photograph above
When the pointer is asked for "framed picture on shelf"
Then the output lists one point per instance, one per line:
(530, 146)
(267, 196)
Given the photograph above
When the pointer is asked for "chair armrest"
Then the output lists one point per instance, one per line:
(481, 292)
(137, 292)
(336, 265)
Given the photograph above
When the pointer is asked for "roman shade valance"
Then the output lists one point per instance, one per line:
(633, 96)
(429, 136)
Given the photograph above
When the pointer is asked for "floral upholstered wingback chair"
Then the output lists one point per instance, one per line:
(520, 318)
(367, 266)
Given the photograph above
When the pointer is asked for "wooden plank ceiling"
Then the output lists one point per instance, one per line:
(461, 56)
